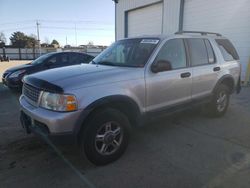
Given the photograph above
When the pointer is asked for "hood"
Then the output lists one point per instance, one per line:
(20, 67)
(85, 75)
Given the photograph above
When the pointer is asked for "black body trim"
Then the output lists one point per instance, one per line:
(109, 100)
(42, 84)
(227, 76)
(165, 111)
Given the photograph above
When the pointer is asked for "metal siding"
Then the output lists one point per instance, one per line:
(147, 20)
(121, 7)
(230, 18)
(171, 16)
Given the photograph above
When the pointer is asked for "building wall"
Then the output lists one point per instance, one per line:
(230, 18)
(171, 16)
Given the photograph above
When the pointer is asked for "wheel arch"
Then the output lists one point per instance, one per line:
(227, 80)
(122, 103)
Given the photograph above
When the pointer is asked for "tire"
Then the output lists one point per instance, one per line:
(106, 136)
(219, 104)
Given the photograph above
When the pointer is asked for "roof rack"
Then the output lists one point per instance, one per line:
(200, 32)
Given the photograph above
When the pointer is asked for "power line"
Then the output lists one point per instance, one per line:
(79, 21)
(18, 28)
(73, 28)
(17, 22)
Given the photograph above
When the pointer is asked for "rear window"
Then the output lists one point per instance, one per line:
(227, 49)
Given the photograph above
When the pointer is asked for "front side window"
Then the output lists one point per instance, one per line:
(173, 51)
(41, 59)
(128, 53)
(227, 50)
(52, 60)
(198, 52)
(86, 58)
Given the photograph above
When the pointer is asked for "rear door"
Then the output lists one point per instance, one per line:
(204, 67)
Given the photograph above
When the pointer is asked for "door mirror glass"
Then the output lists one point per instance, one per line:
(160, 66)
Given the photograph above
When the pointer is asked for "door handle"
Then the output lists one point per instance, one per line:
(185, 74)
(216, 69)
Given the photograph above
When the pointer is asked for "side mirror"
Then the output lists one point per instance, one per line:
(160, 66)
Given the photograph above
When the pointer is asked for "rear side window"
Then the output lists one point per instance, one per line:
(63, 58)
(74, 58)
(210, 52)
(198, 52)
(227, 50)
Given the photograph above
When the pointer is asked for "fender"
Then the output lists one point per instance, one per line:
(227, 76)
(109, 100)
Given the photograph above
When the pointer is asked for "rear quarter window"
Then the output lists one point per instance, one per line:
(227, 49)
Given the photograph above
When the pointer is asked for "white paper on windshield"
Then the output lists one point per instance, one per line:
(150, 41)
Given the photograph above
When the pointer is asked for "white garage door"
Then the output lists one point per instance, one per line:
(147, 20)
(230, 18)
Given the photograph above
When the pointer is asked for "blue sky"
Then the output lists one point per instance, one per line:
(93, 19)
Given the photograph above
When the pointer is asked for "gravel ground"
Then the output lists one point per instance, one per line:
(5, 65)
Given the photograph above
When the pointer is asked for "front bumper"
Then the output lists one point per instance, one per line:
(12, 83)
(50, 123)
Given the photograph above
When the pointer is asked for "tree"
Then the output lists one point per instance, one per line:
(55, 42)
(18, 39)
(2, 38)
(90, 43)
(31, 41)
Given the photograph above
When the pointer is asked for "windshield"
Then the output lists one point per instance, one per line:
(128, 53)
(41, 59)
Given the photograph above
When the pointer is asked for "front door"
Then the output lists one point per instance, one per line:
(169, 88)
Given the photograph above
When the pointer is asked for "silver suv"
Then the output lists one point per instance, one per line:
(132, 81)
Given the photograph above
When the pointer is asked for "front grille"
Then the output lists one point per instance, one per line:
(31, 93)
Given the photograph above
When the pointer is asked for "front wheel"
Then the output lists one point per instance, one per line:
(219, 104)
(106, 137)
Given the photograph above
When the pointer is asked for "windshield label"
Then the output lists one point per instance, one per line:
(150, 41)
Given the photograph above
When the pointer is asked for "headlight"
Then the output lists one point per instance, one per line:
(58, 102)
(17, 73)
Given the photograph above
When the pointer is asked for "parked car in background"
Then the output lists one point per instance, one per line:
(132, 81)
(13, 76)
(4, 58)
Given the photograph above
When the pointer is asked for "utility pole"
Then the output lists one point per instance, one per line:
(75, 35)
(38, 37)
(66, 41)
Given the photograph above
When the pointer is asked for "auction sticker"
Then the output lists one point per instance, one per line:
(150, 41)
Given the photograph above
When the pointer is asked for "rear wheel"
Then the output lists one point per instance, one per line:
(219, 104)
(106, 137)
